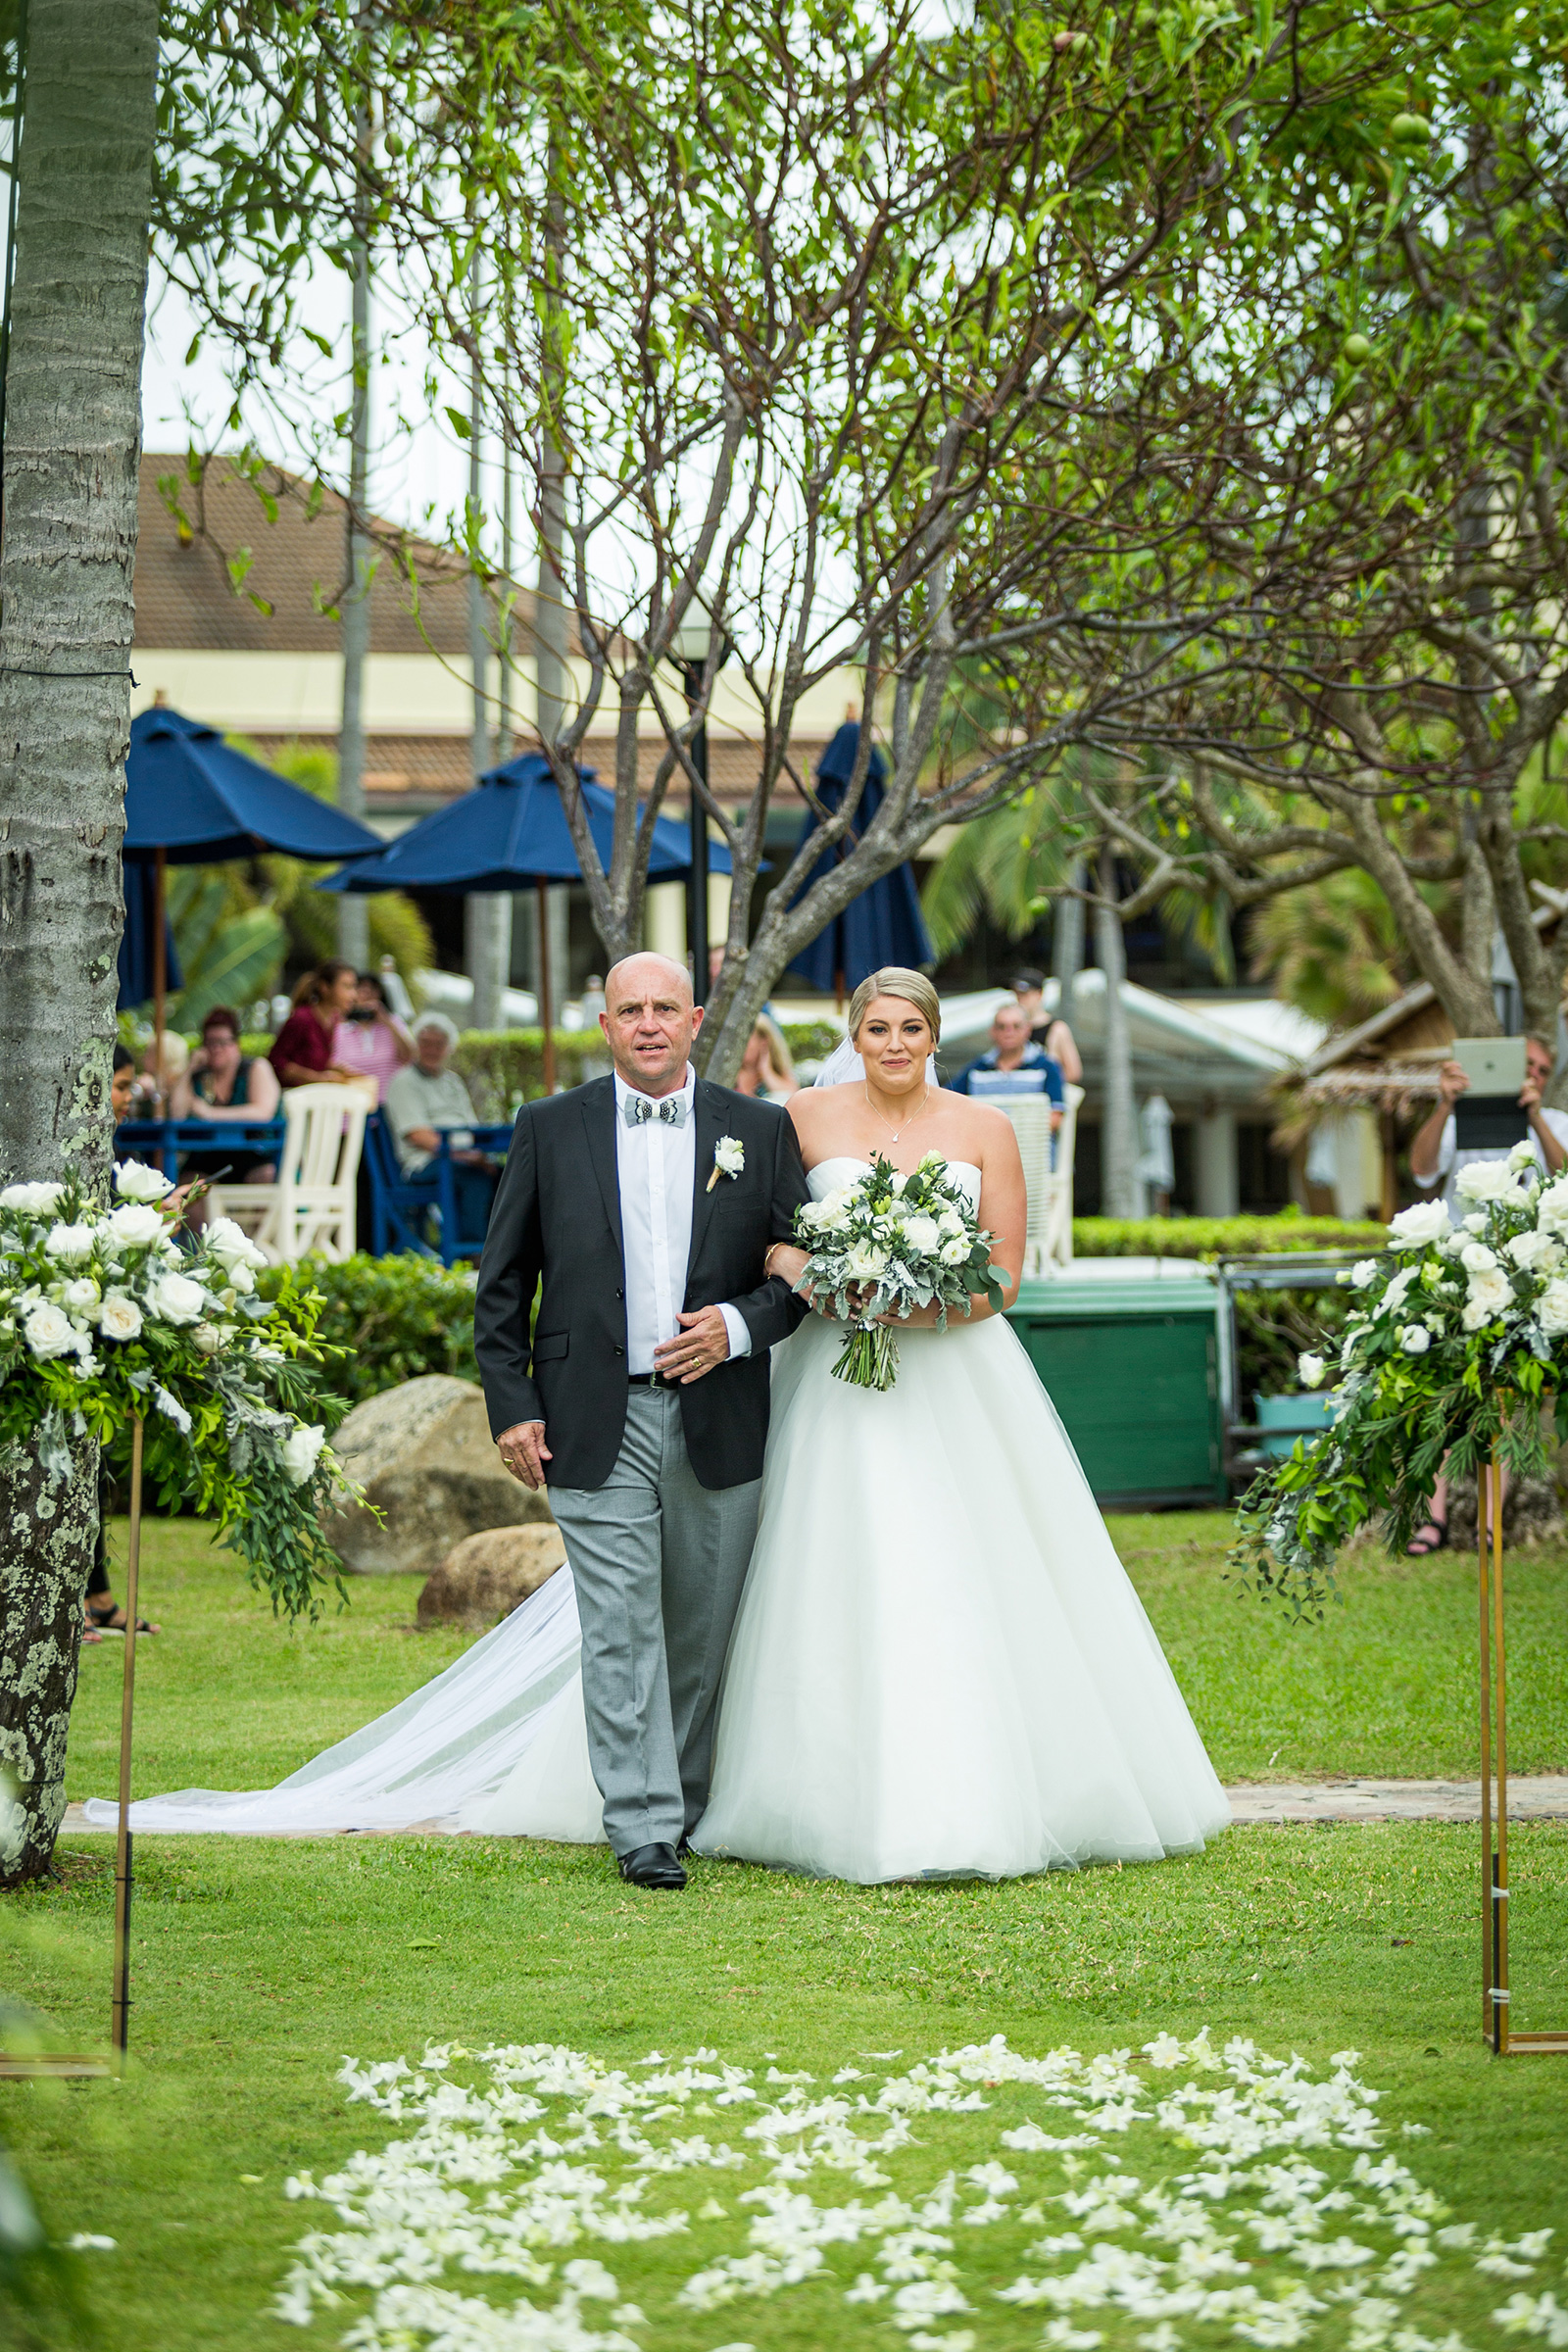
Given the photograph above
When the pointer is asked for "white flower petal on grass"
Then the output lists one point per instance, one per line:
(87, 2241)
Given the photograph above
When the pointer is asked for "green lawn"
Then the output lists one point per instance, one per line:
(260, 1964)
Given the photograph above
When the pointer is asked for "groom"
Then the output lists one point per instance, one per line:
(650, 1205)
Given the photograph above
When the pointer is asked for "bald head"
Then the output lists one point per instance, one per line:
(649, 1021)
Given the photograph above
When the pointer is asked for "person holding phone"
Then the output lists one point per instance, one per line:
(1435, 1153)
(369, 1040)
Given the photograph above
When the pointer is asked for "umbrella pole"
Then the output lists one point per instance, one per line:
(546, 1008)
(160, 979)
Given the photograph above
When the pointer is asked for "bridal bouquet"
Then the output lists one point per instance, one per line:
(886, 1244)
(104, 1319)
(1458, 1335)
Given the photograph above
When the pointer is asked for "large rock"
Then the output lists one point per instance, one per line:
(424, 1456)
(483, 1577)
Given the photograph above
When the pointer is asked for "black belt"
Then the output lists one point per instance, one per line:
(648, 1380)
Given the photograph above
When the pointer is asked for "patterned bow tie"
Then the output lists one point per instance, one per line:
(638, 1109)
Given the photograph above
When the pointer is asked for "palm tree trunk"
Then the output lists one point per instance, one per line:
(1119, 1130)
(69, 485)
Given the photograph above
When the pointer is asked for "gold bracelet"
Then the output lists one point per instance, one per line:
(767, 1260)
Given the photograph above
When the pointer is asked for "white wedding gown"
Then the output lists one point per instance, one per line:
(939, 1669)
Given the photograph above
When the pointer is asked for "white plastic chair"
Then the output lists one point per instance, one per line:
(1047, 1175)
(311, 1206)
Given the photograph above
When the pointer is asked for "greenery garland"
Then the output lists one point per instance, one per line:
(1459, 1334)
(106, 1315)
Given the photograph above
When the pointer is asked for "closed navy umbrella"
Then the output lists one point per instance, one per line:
(884, 924)
(137, 973)
(508, 834)
(192, 800)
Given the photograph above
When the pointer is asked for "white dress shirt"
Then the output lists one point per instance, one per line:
(657, 1167)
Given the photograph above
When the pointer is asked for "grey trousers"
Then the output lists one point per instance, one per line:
(659, 1563)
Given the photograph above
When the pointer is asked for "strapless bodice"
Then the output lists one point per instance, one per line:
(829, 1174)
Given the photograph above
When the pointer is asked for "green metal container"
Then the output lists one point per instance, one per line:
(1130, 1362)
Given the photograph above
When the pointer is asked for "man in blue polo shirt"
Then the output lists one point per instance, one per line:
(1014, 1065)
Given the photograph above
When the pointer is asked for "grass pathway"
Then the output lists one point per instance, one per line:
(258, 1964)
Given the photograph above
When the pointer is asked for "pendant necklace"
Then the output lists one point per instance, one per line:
(896, 1132)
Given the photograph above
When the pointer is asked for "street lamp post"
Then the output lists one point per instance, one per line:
(689, 650)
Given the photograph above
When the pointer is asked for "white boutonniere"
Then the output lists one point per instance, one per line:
(729, 1157)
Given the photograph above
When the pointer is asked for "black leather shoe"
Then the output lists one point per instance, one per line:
(653, 1866)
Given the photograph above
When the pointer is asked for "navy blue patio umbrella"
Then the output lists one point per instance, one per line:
(511, 833)
(137, 976)
(192, 800)
(884, 924)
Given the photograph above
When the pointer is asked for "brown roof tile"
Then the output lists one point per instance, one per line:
(184, 597)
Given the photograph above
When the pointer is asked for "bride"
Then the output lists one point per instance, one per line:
(939, 1668)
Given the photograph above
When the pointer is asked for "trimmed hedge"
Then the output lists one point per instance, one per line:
(1219, 1237)
(398, 1317)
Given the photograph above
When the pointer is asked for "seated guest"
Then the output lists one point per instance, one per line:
(123, 1085)
(426, 1098)
(766, 1068)
(224, 1087)
(370, 1040)
(1052, 1036)
(151, 1090)
(302, 1051)
(1015, 1064)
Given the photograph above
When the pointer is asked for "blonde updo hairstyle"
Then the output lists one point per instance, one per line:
(897, 980)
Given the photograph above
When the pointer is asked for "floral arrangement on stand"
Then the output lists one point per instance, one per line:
(105, 1318)
(886, 1244)
(1459, 1334)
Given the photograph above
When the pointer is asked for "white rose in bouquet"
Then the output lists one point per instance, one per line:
(1551, 1310)
(48, 1330)
(1311, 1370)
(120, 1318)
(922, 1234)
(1491, 1293)
(70, 1245)
(80, 1296)
(1552, 1207)
(950, 1221)
(134, 1226)
(1477, 1259)
(865, 1262)
(302, 1451)
(133, 1181)
(240, 1279)
(32, 1199)
(833, 1211)
(1486, 1180)
(1364, 1273)
(1394, 1296)
(899, 1186)
(954, 1253)
(1423, 1222)
(232, 1244)
(1538, 1253)
(175, 1299)
(1415, 1339)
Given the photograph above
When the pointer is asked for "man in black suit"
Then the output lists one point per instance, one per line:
(649, 1206)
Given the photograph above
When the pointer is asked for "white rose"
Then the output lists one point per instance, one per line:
(1394, 1296)
(1551, 1310)
(80, 1296)
(1522, 1156)
(1477, 1259)
(120, 1318)
(134, 1226)
(896, 1188)
(833, 1213)
(207, 1339)
(954, 1252)
(1364, 1273)
(175, 1299)
(1414, 1227)
(71, 1244)
(923, 1234)
(1536, 1253)
(1415, 1339)
(301, 1449)
(136, 1182)
(1489, 1295)
(1309, 1370)
(232, 1244)
(47, 1329)
(865, 1262)
(951, 1222)
(1484, 1180)
(33, 1200)
(1552, 1207)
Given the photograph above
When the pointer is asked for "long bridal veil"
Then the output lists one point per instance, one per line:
(496, 1743)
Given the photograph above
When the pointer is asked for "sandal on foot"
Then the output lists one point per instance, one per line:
(1427, 1539)
(113, 1620)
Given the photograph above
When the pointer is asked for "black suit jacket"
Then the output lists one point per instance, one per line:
(557, 1220)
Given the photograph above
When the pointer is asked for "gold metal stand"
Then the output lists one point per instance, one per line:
(119, 2008)
(1495, 1989)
